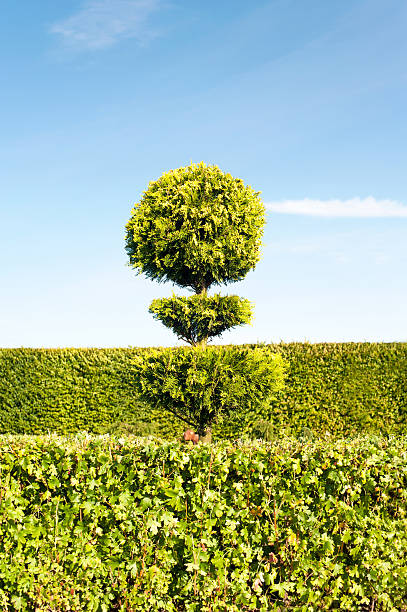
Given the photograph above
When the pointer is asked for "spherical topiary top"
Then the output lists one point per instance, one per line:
(196, 226)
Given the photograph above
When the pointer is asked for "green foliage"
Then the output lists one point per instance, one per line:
(200, 317)
(133, 426)
(336, 388)
(196, 226)
(70, 390)
(343, 388)
(123, 524)
(202, 387)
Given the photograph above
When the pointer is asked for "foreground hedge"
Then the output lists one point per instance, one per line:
(340, 388)
(125, 524)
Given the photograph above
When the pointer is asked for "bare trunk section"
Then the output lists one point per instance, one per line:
(206, 436)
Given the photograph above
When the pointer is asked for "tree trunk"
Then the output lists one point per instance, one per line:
(206, 436)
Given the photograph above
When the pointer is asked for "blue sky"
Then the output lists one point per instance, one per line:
(303, 99)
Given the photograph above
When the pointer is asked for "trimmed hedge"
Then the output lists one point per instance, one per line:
(123, 524)
(343, 388)
(65, 390)
(337, 388)
(70, 390)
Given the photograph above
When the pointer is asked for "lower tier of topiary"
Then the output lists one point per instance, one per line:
(208, 387)
(339, 388)
(124, 524)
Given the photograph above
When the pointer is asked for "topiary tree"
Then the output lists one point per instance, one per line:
(197, 227)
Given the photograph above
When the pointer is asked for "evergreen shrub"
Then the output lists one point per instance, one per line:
(201, 387)
(197, 227)
(198, 318)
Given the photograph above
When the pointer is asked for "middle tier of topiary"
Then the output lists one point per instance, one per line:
(198, 318)
(197, 227)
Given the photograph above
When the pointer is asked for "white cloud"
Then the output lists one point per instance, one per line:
(355, 207)
(101, 23)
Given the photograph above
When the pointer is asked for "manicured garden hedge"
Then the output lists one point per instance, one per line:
(339, 388)
(69, 390)
(344, 388)
(123, 524)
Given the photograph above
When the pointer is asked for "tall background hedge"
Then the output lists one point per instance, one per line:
(337, 388)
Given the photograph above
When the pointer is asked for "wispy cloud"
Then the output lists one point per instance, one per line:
(102, 23)
(355, 207)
